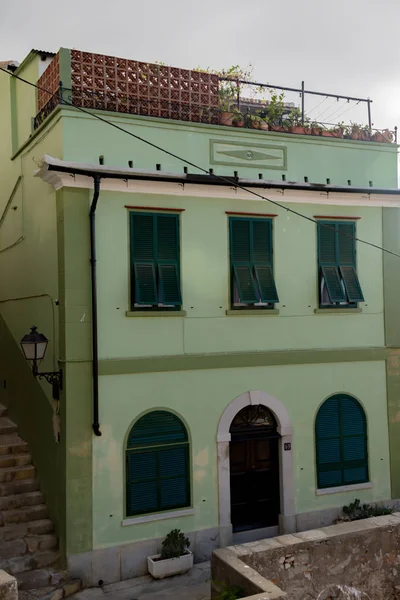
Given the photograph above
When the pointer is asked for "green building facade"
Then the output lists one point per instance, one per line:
(248, 357)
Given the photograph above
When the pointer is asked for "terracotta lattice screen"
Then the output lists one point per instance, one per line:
(128, 86)
(49, 81)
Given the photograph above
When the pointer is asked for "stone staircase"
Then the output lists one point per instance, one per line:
(28, 544)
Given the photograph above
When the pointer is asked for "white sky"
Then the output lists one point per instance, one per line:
(339, 46)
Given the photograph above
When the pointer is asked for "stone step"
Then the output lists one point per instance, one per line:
(11, 473)
(24, 514)
(12, 444)
(31, 544)
(45, 580)
(30, 562)
(15, 460)
(51, 592)
(3, 410)
(7, 426)
(19, 486)
(20, 500)
(20, 530)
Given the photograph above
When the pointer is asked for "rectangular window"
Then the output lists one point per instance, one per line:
(155, 263)
(338, 281)
(251, 261)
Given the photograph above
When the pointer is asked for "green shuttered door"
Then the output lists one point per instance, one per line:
(155, 259)
(251, 260)
(157, 464)
(341, 442)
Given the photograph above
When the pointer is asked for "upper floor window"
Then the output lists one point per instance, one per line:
(341, 442)
(155, 263)
(338, 281)
(157, 464)
(251, 261)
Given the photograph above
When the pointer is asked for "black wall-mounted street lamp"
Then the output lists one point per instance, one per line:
(34, 346)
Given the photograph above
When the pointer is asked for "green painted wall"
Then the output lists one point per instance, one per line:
(26, 99)
(85, 138)
(205, 284)
(200, 397)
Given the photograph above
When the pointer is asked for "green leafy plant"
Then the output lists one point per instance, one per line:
(356, 511)
(231, 592)
(276, 107)
(174, 545)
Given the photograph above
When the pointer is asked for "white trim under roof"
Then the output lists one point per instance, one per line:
(59, 179)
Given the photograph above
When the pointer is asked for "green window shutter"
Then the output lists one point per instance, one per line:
(157, 464)
(352, 285)
(266, 284)
(157, 428)
(141, 482)
(262, 241)
(251, 260)
(143, 273)
(168, 259)
(245, 284)
(145, 283)
(240, 241)
(347, 243)
(341, 442)
(327, 255)
(333, 284)
(174, 478)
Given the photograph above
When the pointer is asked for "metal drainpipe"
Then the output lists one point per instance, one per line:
(95, 353)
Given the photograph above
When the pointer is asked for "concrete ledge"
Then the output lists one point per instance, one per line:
(360, 554)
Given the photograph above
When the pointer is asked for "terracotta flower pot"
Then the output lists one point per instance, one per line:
(378, 137)
(338, 133)
(316, 131)
(238, 123)
(255, 124)
(365, 135)
(299, 129)
(264, 125)
(326, 133)
(276, 128)
(355, 134)
(225, 118)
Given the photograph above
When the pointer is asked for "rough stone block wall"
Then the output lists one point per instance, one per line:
(304, 566)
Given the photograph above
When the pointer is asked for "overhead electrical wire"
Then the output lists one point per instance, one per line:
(206, 171)
(327, 108)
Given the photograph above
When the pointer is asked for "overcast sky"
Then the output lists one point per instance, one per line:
(339, 46)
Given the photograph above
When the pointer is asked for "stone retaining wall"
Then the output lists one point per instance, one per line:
(363, 554)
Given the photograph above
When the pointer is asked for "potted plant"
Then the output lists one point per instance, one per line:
(387, 135)
(378, 137)
(175, 557)
(365, 133)
(327, 132)
(338, 130)
(355, 132)
(316, 128)
(229, 90)
(276, 106)
(237, 119)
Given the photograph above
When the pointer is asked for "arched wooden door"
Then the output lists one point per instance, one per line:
(254, 469)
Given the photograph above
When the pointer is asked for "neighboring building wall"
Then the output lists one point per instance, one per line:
(29, 290)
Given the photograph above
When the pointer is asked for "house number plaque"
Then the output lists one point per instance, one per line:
(287, 446)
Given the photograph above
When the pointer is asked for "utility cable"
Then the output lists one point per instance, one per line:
(206, 171)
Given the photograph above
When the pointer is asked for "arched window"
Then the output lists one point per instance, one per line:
(341, 442)
(157, 464)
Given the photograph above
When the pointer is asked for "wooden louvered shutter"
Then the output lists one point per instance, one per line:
(143, 276)
(341, 443)
(174, 477)
(347, 261)
(355, 453)
(262, 260)
(157, 464)
(242, 270)
(251, 260)
(168, 259)
(141, 482)
(327, 435)
(328, 261)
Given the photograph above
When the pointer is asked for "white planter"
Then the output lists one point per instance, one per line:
(169, 566)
